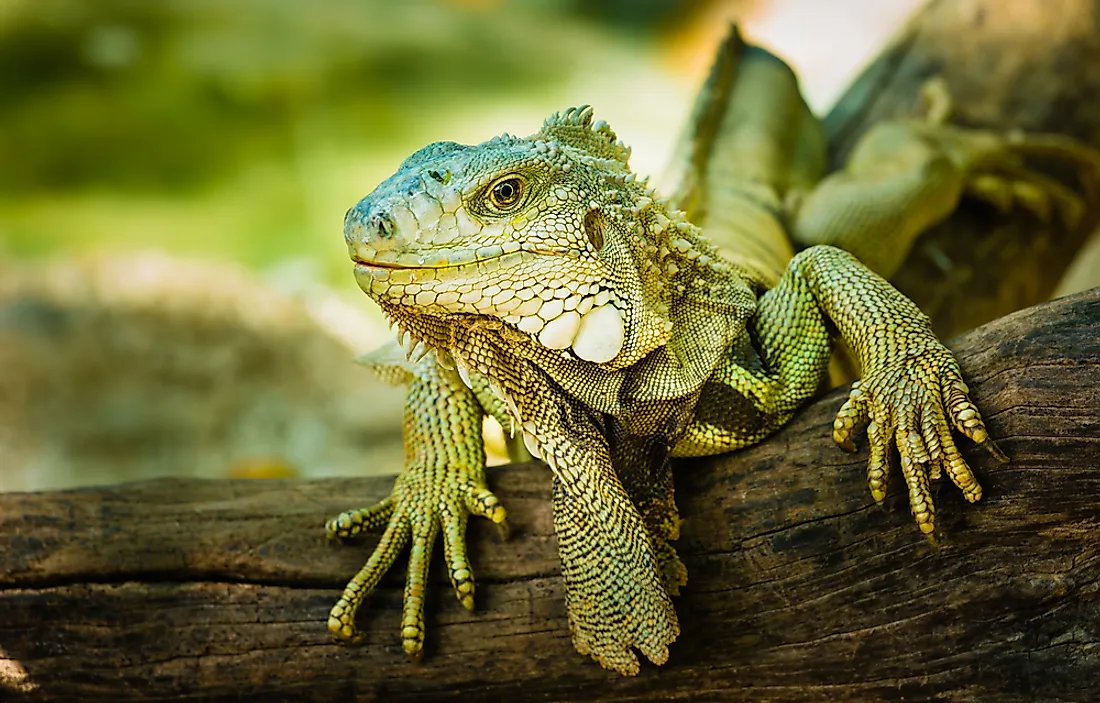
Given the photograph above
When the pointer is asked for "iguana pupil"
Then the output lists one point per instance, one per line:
(507, 192)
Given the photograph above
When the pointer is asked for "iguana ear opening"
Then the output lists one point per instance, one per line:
(594, 227)
(573, 127)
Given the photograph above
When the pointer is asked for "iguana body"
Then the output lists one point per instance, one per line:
(599, 322)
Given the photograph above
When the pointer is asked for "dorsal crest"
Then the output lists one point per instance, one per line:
(574, 128)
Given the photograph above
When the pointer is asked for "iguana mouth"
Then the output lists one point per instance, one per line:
(408, 266)
(380, 265)
(469, 257)
(394, 266)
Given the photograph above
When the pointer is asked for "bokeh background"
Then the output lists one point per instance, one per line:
(175, 295)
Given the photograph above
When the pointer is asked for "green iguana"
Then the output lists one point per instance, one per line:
(614, 329)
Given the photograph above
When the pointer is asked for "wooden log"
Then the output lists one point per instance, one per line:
(800, 587)
(1027, 65)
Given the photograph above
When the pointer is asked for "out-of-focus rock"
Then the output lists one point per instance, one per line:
(131, 367)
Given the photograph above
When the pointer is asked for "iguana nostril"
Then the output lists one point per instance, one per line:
(443, 177)
(382, 225)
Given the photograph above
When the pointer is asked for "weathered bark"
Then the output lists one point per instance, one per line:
(1032, 65)
(800, 588)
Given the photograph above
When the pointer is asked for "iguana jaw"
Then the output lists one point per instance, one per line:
(573, 314)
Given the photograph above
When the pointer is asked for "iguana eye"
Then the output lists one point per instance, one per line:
(506, 192)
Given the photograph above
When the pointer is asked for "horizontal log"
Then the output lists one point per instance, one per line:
(800, 587)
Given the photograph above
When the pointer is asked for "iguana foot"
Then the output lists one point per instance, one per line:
(415, 513)
(1005, 182)
(618, 610)
(912, 404)
(614, 594)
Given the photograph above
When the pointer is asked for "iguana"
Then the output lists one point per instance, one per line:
(538, 280)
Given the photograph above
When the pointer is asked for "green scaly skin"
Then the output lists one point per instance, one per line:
(536, 279)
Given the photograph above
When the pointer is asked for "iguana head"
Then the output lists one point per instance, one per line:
(550, 234)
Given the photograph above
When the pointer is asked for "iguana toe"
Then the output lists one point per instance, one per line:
(341, 621)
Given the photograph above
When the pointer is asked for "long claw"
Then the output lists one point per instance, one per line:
(995, 451)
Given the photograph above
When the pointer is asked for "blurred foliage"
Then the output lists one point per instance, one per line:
(163, 94)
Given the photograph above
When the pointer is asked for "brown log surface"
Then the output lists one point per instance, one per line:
(800, 588)
(1031, 65)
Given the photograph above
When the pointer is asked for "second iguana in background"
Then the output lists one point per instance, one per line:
(538, 280)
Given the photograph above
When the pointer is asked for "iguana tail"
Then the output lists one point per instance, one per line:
(750, 140)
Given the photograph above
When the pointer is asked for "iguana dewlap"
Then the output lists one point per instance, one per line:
(538, 280)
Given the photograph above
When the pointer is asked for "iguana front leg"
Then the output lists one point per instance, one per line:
(442, 484)
(911, 394)
(614, 595)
